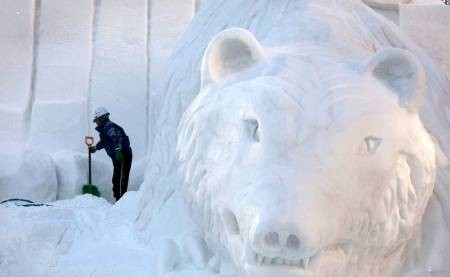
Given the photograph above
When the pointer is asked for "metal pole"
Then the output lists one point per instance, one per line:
(90, 175)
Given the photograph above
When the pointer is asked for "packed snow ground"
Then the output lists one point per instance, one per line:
(71, 238)
(84, 236)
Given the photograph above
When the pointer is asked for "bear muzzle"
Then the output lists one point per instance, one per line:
(280, 247)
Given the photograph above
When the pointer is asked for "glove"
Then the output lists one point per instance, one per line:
(92, 149)
(119, 155)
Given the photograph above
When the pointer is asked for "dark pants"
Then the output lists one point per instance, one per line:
(121, 169)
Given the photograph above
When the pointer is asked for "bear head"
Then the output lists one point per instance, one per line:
(293, 172)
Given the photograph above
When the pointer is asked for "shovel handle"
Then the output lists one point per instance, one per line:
(89, 141)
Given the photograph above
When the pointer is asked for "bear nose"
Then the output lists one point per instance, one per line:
(281, 240)
(285, 241)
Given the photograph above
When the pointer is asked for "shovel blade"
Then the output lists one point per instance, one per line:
(91, 189)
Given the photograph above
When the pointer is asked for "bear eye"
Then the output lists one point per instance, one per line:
(252, 129)
(372, 144)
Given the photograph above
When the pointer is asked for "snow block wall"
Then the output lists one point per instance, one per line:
(16, 21)
(390, 8)
(162, 42)
(433, 36)
(62, 73)
(61, 59)
(79, 55)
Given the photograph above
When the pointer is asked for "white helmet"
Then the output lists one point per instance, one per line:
(99, 112)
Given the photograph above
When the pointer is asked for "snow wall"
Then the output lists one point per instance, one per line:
(61, 59)
(433, 36)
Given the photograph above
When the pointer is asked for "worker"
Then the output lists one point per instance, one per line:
(117, 145)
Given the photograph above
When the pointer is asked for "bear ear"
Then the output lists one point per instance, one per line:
(402, 73)
(230, 51)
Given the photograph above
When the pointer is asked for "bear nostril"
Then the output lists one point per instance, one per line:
(293, 242)
(272, 239)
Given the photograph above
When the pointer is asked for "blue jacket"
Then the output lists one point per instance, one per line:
(112, 137)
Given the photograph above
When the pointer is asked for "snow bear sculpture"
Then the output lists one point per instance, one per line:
(313, 142)
(296, 173)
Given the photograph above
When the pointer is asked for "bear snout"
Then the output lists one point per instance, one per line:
(275, 239)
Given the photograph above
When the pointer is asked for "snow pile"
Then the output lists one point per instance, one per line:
(87, 236)
(84, 236)
(28, 174)
(34, 175)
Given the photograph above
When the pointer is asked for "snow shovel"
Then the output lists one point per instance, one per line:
(89, 187)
